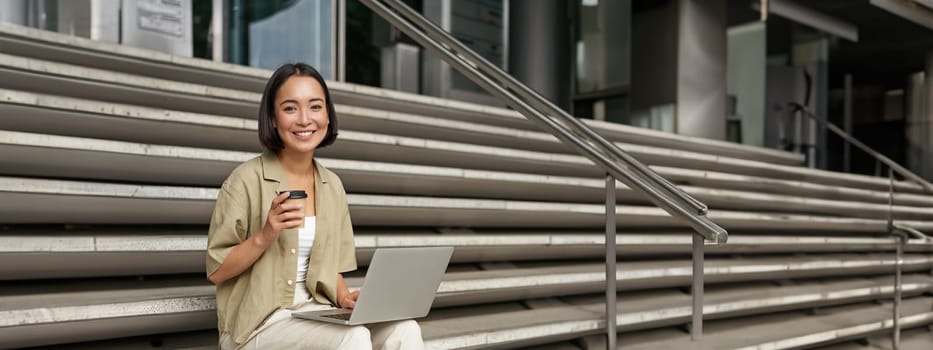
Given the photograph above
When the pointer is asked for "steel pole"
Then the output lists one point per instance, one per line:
(898, 289)
(696, 326)
(610, 262)
(899, 242)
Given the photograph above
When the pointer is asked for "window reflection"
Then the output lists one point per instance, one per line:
(266, 34)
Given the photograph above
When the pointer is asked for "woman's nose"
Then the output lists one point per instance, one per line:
(305, 117)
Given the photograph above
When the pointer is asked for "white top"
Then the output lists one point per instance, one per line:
(305, 241)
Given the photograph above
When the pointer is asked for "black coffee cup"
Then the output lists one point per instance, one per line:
(297, 195)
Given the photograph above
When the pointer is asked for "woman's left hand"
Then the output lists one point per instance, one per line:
(348, 301)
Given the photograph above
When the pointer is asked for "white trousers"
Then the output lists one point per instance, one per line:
(282, 331)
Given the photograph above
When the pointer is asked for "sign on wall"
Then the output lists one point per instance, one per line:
(162, 25)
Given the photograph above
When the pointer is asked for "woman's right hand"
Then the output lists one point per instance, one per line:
(282, 215)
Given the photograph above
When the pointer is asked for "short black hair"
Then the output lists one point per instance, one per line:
(267, 134)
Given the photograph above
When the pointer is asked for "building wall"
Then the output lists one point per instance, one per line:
(746, 76)
(13, 11)
(654, 56)
(539, 53)
(920, 126)
(701, 69)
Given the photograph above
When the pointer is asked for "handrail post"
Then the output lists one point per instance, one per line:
(611, 262)
(898, 290)
(696, 326)
(900, 239)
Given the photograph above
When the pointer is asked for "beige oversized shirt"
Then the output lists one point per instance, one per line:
(243, 302)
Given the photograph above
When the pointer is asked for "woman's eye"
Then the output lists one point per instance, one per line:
(289, 109)
(316, 108)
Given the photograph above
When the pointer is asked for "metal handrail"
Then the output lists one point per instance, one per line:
(913, 232)
(617, 164)
(588, 142)
(544, 104)
(877, 155)
(900, 233)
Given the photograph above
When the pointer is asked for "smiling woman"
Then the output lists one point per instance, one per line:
(290, 88)
(260, 242)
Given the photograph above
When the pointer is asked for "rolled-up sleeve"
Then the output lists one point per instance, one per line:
(228, 226)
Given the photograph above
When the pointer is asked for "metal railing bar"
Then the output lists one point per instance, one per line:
(877, 155)
(540, 102)
(701, 224)
(912, 232)
(890, 199)
(611, 308)
(898, 291)
(900, 239)
(696, 325)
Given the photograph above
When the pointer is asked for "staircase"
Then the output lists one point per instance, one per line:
(111, 159)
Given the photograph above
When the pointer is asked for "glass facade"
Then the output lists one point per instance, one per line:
(371, 41)
(201, 22)
(480, 25)
(368, 33)
(601, 60)
(266, 34)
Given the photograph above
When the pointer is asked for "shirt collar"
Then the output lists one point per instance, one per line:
(272, 170)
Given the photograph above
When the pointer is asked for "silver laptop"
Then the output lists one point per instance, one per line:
(400, 284)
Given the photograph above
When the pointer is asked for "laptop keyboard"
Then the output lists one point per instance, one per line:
(345, 317)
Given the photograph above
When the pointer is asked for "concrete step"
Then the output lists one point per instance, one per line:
(31, 200)
(30, 154)
(36, 113)
(36, 75)
(44, 253)
(368, 146)
(73, 311)
(67, 116)
(193, 340)
(555, 346)
(51, 156)
(134, 251)
(39, 113)
(42, 113)
(78, 51)
(543, 280)
(512, 327)
(106, 85)
(390, 148)
(713, 179)
(127, 308)
(696, 160)
(918, 338)
(789, 330)
(731, 301)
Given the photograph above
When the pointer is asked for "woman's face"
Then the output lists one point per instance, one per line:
(301, 114)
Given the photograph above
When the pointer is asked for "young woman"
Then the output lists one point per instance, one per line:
(270, 256)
